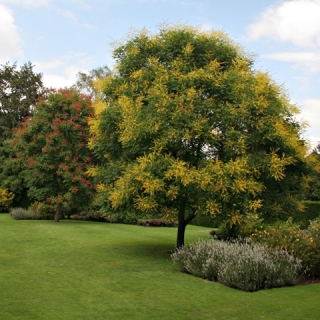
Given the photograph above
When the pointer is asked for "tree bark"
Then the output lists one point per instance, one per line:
(58, 212)
(182, 223)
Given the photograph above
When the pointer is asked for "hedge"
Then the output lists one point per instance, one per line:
(311, 212)
(207, 221)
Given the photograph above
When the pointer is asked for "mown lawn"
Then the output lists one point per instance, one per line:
(86, 270)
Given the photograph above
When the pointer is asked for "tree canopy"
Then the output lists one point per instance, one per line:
(52, 146)
(185, 125)
(19, 92)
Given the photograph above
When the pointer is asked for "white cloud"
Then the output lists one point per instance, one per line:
(69, 15)
(306, 60)
(52, 64)
(9, 38)
(310, 112)
(34, 3)
(60, 73)
(57, 81)
(297, 21)
(65, 76)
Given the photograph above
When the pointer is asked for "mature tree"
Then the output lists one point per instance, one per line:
(53, 146)
(19, 92)
(313, 192)
(85, 80)
(185, 125)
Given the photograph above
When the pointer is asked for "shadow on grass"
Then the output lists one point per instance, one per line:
(143, 249)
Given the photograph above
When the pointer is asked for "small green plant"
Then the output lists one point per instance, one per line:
(23, 214)
(6, 199)
(239, 264)
(44, 211)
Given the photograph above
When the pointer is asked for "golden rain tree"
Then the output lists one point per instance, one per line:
(185, 125)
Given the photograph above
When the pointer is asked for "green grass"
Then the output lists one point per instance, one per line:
(86, 270)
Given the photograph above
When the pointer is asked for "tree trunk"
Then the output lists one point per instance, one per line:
(182, 222)
(181, 231)
(58, 211)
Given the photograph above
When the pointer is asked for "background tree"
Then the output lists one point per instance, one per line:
(313, 192)
(85, 81)
(12, 172)
(53, 146)
(185, 125)
(19, 92)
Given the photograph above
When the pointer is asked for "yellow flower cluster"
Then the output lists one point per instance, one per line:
(303, 243)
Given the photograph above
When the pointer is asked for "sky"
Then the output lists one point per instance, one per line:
(62, 37)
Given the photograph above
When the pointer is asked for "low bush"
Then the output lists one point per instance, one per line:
(220, 234)
(302, 243)
(6, 200)
(23, 214)
(156, 223)
(239, 264)
(44, 211)
(91, 215)
(250, 223)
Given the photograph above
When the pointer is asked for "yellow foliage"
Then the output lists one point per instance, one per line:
(235, 218)
(173, 192)
(92, 171)
(213, 207)
(6, 199)
(278, 164)
(188, 49)
(145, 204)
(254, 205)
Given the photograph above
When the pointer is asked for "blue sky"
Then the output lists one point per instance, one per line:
(62, 37)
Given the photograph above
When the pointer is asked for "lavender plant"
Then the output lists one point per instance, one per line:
(238, 264)
(22, 214)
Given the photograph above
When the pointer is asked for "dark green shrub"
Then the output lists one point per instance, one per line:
(250, 223)
(220, 234)
(126, 217)
(311, 212)
(23, 214)
(68, 211)
(23, 201)
(91, 215)
(205, 220)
